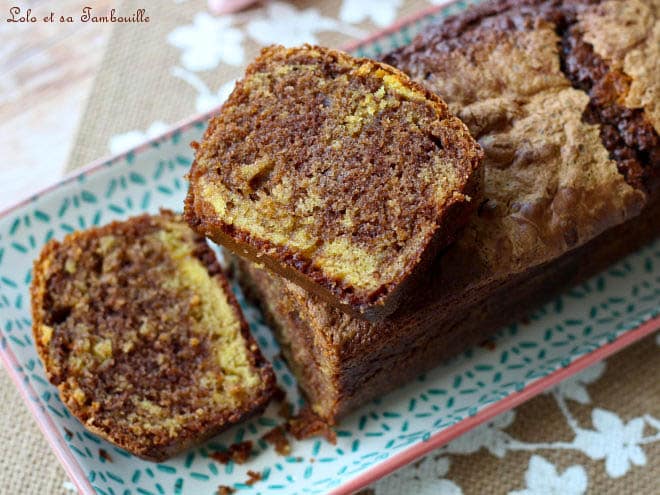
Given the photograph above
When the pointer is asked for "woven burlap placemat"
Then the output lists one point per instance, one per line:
(136, 87)
(629, 387)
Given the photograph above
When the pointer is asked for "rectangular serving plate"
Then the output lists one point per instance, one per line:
(584, 325)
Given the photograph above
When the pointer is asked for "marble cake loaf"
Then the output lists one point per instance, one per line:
(562, 96)
(338, 173)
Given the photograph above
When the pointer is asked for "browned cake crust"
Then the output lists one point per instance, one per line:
(339, 173)
(607, 49)
(140, 332)
(570, 184)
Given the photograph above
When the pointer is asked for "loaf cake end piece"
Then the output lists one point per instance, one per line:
(139, 331)
(338, 173)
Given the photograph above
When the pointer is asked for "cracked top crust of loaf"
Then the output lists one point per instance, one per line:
(139, 331)
(626, 35)
(553, 178)
(339, 173)
(557, 171)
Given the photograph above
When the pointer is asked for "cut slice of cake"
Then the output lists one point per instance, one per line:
(139, 330)
(338, 173)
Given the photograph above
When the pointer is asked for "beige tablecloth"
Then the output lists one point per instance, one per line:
(183, 62)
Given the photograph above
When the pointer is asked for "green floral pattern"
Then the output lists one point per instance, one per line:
(575, 324)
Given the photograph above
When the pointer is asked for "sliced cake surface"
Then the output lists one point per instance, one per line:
(338, 173)
(139, 331)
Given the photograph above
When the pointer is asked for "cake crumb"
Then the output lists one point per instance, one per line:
(488, 345)
(285, 410)
(103, 454)
(307, 424)
(225, 490)
(279, 394)
(237, 452)
(253, 477)
(277, 438)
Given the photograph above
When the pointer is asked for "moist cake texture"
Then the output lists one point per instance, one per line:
(139, 331)
(562, 98)
(339, 173)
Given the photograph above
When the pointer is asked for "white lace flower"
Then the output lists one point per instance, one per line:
(207, 42)
(209, 100)
(69, 487)
(542, 479)
(286, 25)
(382, 13)
(206, 99)
(612, 440)
(489, 436)
(425, 476)
(130, 139)
(654, 422)
(574, 387)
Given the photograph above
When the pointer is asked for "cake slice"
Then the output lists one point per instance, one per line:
(338, 173)
(139, 331)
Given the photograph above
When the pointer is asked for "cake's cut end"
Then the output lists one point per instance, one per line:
(339, 173)
(138, 329)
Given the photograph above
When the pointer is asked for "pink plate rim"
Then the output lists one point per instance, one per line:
(514, 399)
(75, 471)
